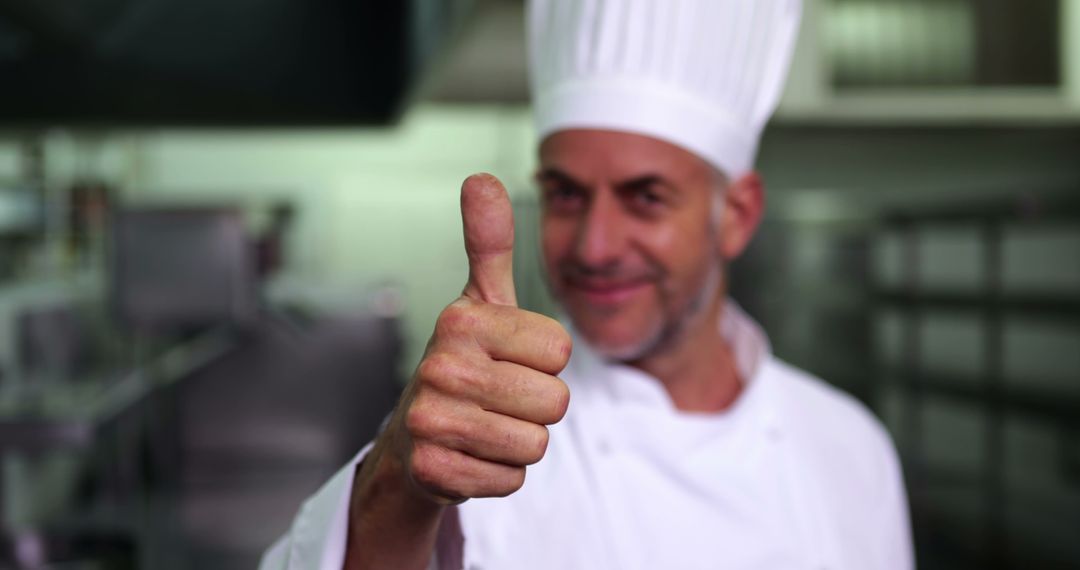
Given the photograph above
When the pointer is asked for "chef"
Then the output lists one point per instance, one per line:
(661, 432)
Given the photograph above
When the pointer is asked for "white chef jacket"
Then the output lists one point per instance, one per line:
(794, 475)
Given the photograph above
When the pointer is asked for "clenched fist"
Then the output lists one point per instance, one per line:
(475, 413)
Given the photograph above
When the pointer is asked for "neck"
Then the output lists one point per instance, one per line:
(697, 368)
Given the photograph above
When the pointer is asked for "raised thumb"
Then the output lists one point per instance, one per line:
(488, 222)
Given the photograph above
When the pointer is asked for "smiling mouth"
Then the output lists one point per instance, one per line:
(605, 292)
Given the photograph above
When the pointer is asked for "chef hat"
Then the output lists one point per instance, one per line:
(702, 74)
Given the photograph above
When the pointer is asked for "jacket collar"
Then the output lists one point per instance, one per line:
(746, 340)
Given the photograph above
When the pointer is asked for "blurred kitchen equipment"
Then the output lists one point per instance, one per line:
(290, 62)
(181, 268)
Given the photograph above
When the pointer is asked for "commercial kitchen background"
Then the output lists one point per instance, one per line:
(199, 323)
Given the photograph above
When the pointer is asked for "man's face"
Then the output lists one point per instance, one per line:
(629, 237)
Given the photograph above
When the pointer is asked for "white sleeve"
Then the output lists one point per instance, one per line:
(316, 539)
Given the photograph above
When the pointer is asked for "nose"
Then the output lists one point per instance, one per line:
(601, 238)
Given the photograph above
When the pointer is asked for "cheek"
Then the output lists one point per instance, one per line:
(556, 241)
(685, 251)
(676, 240)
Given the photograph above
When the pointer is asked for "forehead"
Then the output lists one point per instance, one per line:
(593, 156)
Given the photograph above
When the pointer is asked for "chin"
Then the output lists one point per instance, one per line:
(621, 347)
(621, 333)
(621, 353)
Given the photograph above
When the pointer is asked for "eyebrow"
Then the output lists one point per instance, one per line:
(556, 175)
(643, 180)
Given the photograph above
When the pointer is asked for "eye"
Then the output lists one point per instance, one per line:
(644, 197)
(647, 195)
(563, 198)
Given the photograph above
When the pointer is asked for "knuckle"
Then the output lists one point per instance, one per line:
(430, 367)
(450, 374)
(437, 369)
(433, 470)
(422, 422)
(415, 420)
(433, 366)
(426, 469)
(455, 320)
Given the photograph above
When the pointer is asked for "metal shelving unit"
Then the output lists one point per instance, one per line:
(997, 544)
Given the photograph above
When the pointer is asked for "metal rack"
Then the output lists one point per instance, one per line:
(992, 305)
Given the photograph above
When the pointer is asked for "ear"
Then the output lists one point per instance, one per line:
(744, 204)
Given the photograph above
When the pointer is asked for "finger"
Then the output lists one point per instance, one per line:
(507, 333)
(532, 340)
(523, 393)
(482, 434)
(524, 337)
(503, 387)
(488, 223)
(454, 475)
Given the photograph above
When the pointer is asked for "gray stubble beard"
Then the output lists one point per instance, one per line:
(675, 323)
(672, 329)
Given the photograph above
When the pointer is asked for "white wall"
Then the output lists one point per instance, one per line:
(375, 205)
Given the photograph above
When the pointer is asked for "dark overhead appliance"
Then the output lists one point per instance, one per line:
(215, 62)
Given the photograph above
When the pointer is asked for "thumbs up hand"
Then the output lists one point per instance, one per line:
(474, 415)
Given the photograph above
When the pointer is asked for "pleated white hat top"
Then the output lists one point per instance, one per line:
(702, 74)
